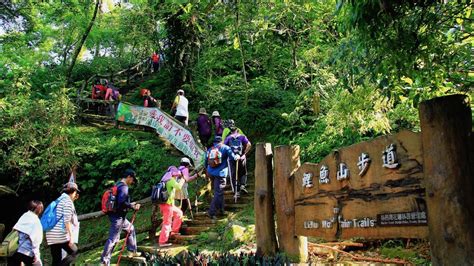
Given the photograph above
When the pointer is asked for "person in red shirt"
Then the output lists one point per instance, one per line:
(155, 60)
(98, 91)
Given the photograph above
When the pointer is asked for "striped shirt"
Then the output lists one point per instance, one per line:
(65, 212)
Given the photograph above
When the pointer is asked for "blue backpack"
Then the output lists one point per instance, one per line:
(49, 220)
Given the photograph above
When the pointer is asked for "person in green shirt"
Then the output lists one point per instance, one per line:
(230, 124)
(172, 215)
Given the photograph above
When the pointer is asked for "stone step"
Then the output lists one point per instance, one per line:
(182, 238)
(203, 222)
(229, 192)
(194, 230)
(135, 260)
(235, 206)
(155, 249)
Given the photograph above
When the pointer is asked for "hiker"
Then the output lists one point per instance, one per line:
(239, 144)
(112, 93)
(172, 215)
(148, 101)
(216, 164)
(155, 60)
(98, 91)
(204, 127)
(217, 123)
(60, 237)
(180, 107)
(30, 236)
(172, 170)
(228, 124)
(183, 194)
(118, 220)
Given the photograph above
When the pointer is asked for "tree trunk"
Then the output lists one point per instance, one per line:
(446, 125)
(263, 201)
(287, 160)
(81, 43)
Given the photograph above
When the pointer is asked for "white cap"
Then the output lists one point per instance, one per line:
(180, 91)
(215, 113)
(186, 160)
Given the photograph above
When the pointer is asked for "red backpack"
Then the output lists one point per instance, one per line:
(109, 199)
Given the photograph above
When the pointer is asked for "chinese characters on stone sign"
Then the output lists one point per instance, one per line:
(389, 157)
(324, 175)
(308, 180)
(343, 172)
(363, 164)
(389, 160)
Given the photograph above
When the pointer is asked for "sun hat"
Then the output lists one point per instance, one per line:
(186, 160)
(71, 185)
(215, 113)
(130, 172)
(202, 111)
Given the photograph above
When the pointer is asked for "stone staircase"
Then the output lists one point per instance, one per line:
(192, 228)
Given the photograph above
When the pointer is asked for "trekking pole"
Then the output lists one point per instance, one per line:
(126, 238)
(190, 208)
(236, 180)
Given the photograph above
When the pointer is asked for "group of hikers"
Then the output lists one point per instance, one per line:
(225, 162)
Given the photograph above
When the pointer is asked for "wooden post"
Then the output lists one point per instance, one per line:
(287, 161)
(263, 201)
(446, 125)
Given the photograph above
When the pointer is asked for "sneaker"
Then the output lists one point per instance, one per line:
(213, 217)
(242, 188)
(165, 245)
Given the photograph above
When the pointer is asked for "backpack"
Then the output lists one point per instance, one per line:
(214, 156)
(236, 144)
(109, 199)
(159, 193)
(48, 219)
(10, 244)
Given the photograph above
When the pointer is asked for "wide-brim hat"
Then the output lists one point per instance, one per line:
(215, 113)
(202, 111)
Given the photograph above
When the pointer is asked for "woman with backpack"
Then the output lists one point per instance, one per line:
(183, 194)
(60, 237)
(172, 215)
(30, 236)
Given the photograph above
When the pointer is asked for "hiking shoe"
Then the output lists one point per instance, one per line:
(213, 217)
(242, 188)
(164, 245)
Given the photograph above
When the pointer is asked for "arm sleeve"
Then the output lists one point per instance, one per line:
(122, 197)
(68, 212)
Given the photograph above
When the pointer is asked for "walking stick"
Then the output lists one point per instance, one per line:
(126, 238)
(236, 180)
(190, 208)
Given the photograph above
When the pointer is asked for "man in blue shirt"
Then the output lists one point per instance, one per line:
(217, 169)
(118, 220)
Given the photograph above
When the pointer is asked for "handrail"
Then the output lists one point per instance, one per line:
(86, 82)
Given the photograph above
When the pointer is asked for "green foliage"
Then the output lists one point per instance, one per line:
(395, 249)
(34, 139)
(104, 155)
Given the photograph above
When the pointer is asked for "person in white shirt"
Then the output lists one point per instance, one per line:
(180, 105)
(30, 234)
